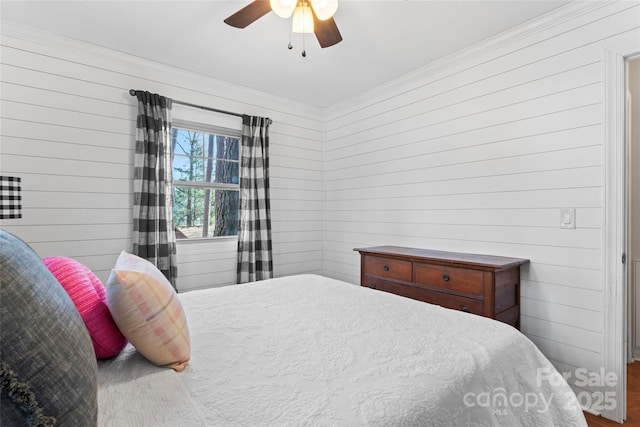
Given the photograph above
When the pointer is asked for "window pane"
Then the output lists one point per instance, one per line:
(188, 211)
(203, 157)
(188, 155)
(187, 168)
(187, 142)
(224, 213)
(204, 212)
(222, 171)
(222, 147)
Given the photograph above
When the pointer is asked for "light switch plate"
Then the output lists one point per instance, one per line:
(567, 218)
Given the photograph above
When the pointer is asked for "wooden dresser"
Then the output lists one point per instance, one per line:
(481, 284)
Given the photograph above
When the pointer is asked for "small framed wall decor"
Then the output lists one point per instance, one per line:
(10, 198)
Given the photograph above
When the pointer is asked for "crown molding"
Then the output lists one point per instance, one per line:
(228, 95)
(482, 49)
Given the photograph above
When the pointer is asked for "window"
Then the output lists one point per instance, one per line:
(206, 173)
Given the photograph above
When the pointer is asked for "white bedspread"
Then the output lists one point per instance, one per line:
(311, 351)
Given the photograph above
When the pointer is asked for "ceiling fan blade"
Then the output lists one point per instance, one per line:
(249, 14)
(326, 31)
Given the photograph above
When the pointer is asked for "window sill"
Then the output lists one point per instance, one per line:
(196, 240)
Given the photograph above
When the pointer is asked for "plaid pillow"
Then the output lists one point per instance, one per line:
(148, 311)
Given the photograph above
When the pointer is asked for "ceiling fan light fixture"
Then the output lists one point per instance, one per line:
(324, 9)
(283, 8)
(302, 20)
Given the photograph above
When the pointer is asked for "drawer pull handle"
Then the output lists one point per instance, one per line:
(466, 309)
(385, 268)
(446, 277)
(372, 286)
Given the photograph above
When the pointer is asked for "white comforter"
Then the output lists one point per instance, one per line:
(311, 351)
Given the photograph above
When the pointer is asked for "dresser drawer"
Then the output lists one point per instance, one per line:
(388, 267)
(421, 294)
(486, 285)
(470, 305)
(464, 281)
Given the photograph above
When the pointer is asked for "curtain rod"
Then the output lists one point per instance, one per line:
(132, 92)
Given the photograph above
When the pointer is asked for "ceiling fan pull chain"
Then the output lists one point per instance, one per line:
(304, 49)
(290, 46)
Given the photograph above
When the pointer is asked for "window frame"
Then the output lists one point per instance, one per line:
(206, 129)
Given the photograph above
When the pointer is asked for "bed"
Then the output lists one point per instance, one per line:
(302, 350)
(312, 351)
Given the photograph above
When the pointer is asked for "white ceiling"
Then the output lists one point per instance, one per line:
(382, 39)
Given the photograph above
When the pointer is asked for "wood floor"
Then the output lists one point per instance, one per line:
(633, 401)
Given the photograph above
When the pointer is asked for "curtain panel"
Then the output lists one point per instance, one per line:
(254, 231)
(153, 236)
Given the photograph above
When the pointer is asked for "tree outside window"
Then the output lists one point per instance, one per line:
(206, 174)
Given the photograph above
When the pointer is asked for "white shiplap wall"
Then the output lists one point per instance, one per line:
(479, 153)
(67, 129)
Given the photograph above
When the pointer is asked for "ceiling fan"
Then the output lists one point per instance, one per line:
(308, 16)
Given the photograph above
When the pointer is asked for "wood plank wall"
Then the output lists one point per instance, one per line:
(479, 153)
(67, 128)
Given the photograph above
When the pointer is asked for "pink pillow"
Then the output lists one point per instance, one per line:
(90, 298)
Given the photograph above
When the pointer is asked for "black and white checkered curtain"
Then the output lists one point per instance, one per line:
(254, 232)
(153, 236)
(10, 198)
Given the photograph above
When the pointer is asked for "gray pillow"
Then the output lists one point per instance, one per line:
(48, 369)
